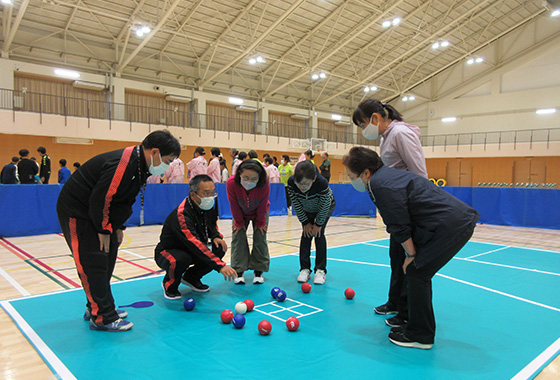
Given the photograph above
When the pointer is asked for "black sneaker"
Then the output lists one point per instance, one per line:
(386, 309)
(400, 339)
(171, 294)
(396, 321)
(398, 329)
(196, 285)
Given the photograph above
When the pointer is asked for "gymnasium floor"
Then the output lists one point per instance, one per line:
(503, 311)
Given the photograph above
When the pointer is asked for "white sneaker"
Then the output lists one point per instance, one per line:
(303, 275)
(258, 279)
(319, 277)
(239, 280)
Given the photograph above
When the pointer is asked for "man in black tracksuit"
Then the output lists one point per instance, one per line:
(190, 243)
(44, 166)
(92, 208)
(27, 169)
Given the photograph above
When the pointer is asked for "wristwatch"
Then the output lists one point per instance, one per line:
(407, 255)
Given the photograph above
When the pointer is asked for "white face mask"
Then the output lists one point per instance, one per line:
(160, 169)
(282, 162)
(247, 185)
(358, 184)
(371, 132)
(207, 203)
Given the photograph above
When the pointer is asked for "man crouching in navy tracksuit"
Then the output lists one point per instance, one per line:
(190, 243)
(92, 208)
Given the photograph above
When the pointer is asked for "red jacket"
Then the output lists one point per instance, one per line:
(253, 205)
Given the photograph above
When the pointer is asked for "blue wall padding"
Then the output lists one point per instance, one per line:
(351, 202)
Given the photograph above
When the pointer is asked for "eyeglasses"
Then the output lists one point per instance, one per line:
(248, 179)
(208, 195)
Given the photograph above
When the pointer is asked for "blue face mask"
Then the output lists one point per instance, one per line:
(160, 169)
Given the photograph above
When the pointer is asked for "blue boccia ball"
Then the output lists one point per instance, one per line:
(238, 321)
(274, 291)
(189, 304)
(281, 296)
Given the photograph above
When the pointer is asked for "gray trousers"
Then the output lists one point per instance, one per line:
(258, 258)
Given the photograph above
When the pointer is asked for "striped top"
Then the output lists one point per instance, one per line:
(318, 200)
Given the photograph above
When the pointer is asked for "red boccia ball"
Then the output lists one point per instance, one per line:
(250, 304)
(227, 316)
(306, 287)
(349, 293)
(265, 327)
(292, 323)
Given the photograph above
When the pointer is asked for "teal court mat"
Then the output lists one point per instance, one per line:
(497, 310)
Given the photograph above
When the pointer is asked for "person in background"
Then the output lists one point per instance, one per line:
(272, 173)
(93, 207)
(224, 171)
(9, 175)
(265, 156)
(248, 193)
(429, 223)
(243, 156)
(190, 244)
(275, 161)
(155, 179)
(63, 173)
(76, 165)
(314, 203)
(254, 156)
(198, 164)
(286, 171)
(325, 166)
(27, 168)
(233, 153)
(214, 166)
(400, 148)
(176, 172)
(45, 165)
(309, 155)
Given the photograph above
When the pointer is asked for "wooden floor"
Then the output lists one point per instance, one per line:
(42, 264)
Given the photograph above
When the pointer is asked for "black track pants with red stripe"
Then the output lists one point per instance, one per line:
(94, 266)
(177, 262)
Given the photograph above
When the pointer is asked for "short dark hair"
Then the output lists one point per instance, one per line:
(254, 166)
(215, 151)
(305, 169)
(15, 159)
(200, 150)
(253, 154)
(23, 152)
(223, 162)
(269, 160)
(360, 159)
(266, 155)
(370, 106)
(77, 164)
(274, 158)
(242, 155)
(235, 151)
(164, 141)
(286, 157)
(326, 154)
(309, 153)
(42, 150)
(194, 183)
(62, 162)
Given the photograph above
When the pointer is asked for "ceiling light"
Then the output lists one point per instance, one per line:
(450, 119)
(8, 2)
(237, 101)
(252, 61)
(322, 75)
(139, 33)
(366, 89)
(260, 59)
(479, 60)
(546, 111)
(411, 98)
(336, 117)
(67, 73)
(405, 99)
(315, 76)
(145, 29)
(435, 45)
(396, 21)
(555, 13)
(445, 43)
(470, 61)
(386, 24)
(373, 88)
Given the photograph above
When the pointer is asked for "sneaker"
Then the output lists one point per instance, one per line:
(195, 285)
(122, 314)
(386, 309)
(303, 275)
(239, 280)
(171, 294)
(117, 326)
(319, 277)
(400, 339)
(398, 329)
(396, 321)
(258, 279)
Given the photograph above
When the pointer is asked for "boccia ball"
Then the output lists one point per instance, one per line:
(274, 292)
(292, 323)
(349, 293)
(240, 308)
(265, 327)
(306, 287)
(281, 296)
(250, 304)
(238, 321)
(189, 304)
(227, 316)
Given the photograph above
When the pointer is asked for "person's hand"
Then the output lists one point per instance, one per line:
(104, 242)
(316, 231)
(43, 179)
(263, 229)
(228, 272)
(236, 229)
(220, 242)
(407, 262)
(120, 237)
(308, 230)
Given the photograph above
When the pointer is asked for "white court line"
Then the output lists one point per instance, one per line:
(515, 246)
(282, 308)
(359, 262)
(486, 253)
(376, 245)
(499, 292)
(507, 266)
(134, 254)
(14, 283)
(538, 362)
(50, 358)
